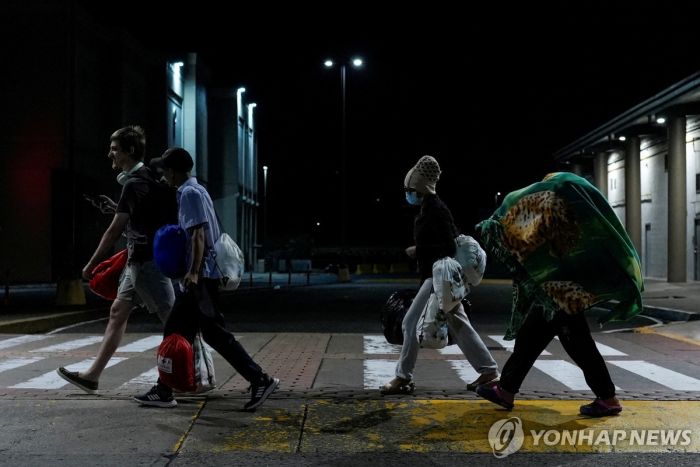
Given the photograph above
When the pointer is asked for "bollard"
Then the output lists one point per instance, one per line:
(6, 299)
(251, 278)
(289, 279)
(344, 274)
(70, 292)
(269, 280)
(308, 277)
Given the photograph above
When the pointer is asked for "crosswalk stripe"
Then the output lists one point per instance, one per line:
(147, 378)
(659, 374)
(377, 372)
(12, 363)
(141, 345)
(465, 371)
(70, 345)
(451, 350)
(509, 345)
(19, 340)
(51, 380)
(379, 345)
(564, 372)
(606, 351)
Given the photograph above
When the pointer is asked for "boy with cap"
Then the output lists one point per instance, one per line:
(196, 306)
(434, 234)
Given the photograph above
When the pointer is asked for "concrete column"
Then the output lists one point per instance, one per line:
(677, 202)
(189, 115)
(633, 193)
(600, 172)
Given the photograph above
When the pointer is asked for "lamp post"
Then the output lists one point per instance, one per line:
(498, 193)
(355, 63)
(265, 205)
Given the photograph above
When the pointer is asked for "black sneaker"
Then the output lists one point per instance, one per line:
(155, 398)
(73, 377)
(260, 392)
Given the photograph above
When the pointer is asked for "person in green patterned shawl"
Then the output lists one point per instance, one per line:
(567, 251)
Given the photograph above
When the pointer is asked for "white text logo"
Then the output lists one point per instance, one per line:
(506, 436)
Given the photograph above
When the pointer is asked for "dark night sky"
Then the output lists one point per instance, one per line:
(491, 92)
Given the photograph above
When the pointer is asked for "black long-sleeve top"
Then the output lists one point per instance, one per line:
(434, 232)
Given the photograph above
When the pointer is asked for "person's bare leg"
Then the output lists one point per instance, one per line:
(118, 317)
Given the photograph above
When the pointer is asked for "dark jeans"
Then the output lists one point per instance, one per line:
(534, 336)
(197, 310)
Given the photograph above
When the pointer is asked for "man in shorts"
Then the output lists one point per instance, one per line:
(145, 205)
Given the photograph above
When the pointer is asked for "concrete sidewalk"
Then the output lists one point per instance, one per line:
(676, 306)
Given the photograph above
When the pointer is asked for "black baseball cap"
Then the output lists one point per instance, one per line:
(174, 158)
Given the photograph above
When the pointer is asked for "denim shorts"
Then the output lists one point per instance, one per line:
(144, 283)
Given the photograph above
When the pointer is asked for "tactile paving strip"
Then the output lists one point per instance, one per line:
(352, 394)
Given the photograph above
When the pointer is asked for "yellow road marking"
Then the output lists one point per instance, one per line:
(666, 333)
(463, 426)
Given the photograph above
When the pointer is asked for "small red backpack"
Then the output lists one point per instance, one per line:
(176, 363)
(105, 279)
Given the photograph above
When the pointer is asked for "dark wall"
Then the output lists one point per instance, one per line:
(71, 82)
(33, 143)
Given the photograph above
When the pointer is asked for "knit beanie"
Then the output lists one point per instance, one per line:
(423, 176)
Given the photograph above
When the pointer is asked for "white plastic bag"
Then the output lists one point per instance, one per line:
(432, 325)
(230, 261)
(472, 258)
(203, 366)
(448, 283)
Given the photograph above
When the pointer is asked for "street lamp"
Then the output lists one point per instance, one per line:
(355, 62)
(498, 193)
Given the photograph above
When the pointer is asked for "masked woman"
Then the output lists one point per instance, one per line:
(434, 234)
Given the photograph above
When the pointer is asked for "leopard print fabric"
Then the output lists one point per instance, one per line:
(569, 296)
(538, 218)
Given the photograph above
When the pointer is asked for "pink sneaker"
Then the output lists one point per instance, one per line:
(495, 394)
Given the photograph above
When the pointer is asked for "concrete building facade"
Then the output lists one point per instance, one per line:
(647, 162)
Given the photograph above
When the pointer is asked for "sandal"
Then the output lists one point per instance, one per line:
(484, 378)
(398, 386)
(600, 408)
(495, 394)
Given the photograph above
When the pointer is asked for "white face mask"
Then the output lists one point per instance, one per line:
(124, 176)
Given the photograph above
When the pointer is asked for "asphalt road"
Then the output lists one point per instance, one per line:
(341, 308)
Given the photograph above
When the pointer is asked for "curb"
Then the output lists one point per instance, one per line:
(42, 324)
(661, 313)
(670, 314)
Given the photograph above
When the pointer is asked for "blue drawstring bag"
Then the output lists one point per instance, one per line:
(170, 251)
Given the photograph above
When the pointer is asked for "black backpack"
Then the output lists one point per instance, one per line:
(393, 313)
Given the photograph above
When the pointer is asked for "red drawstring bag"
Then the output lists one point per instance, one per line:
(105, 279)
(176, 363)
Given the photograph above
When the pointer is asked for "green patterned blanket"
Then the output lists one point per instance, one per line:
(566, 249)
